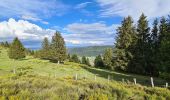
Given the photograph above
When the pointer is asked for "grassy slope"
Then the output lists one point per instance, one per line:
(41, 72)
(46, 68)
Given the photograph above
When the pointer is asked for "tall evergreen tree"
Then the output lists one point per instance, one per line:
(2, 44)
(6, 44)
(45, 49)
(154, 49)
(98, 62)
(108, 58)
(45, 44)
(165, 46)
(140, 63)
(126, 36)
(68, 57)
(58, 49)
(84, 60)
(16, 50)
(162, 28)
(88, 62)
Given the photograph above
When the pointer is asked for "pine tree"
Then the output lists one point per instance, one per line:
(98, 62)
(45, 44)
(7, 44)
(74, 58)
(88, 62)
(108, 58)
(68, 57)
(58, 49)
(140, 63)
(126, 36)
(16, 50)
(162, 29)
(154, 49)
(45, 49)
(2, 44)
(164, 46)
(84, 60)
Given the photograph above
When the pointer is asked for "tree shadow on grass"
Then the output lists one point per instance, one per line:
(143, 80)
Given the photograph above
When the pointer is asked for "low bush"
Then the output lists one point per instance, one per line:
(43, 88)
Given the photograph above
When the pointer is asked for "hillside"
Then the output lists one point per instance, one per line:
(88, 51)
(40, 79)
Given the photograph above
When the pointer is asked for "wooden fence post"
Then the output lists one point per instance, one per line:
(14, 71)
(108, 78)
(166, 85)
(134, 80)
(123, 80)
(95, 77)
(152, 83)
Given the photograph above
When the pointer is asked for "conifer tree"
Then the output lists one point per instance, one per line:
(74, 58)
(16, 50)
(98, 62)
(126, 36)
(142, 49)
(7, 44)
(2, 44)
(58, 49)
(162, 28)
(84, 60)
(165, 46)
(88, 62)
(68, 57)
(108, 58)
(45, 49)
(154, 49)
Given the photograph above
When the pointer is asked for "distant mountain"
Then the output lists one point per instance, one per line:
(88, 51)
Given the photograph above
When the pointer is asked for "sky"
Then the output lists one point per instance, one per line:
(81, 22)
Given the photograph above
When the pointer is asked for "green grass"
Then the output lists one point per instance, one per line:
(37, 79)
(34, 87)
(46, 68)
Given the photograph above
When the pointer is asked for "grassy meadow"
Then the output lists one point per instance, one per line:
(37, 79)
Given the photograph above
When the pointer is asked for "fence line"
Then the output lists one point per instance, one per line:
(108, 78)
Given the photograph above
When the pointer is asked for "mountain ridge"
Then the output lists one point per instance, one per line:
(88, 50)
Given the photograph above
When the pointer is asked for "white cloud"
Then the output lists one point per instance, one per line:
(152, 8)
(90, 34)
(30, 18)
(82, 8)
(74, 34)
(82, 5)
(31, 9)
(23, 30)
